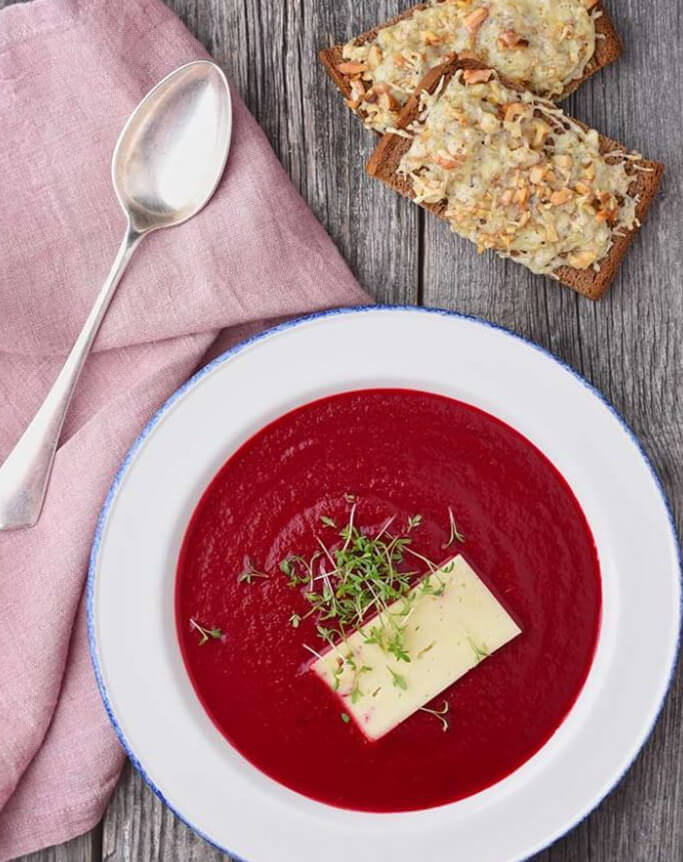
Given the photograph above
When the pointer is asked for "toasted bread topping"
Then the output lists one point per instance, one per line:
(543, 44)
(518, 176)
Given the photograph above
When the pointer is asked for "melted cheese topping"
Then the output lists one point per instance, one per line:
(516, 175)
(543, 44)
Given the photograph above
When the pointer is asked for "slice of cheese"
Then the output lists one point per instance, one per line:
(446, 635)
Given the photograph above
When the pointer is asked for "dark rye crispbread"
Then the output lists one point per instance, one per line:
(387, 156)
(608, 48)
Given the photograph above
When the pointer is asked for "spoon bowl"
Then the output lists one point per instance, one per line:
(172, 151)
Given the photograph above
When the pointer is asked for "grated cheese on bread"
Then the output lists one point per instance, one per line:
(513, 173)
(549, 46)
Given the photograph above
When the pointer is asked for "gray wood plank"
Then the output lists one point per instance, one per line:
(629, 346)
(87, 848)
(270, 51)
(138, 827)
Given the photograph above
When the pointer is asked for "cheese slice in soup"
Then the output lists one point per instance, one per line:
(454, 623)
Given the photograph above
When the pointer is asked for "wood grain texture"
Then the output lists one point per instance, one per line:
(86, 848)
(138, 827)
(270, 52)
(608, 49)
(629, 345)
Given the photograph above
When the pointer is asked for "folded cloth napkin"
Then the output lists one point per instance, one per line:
(71, 71)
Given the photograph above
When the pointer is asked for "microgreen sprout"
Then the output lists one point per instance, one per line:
(356, 692)
(359, 579)
(363, 582)
(480, 652)
(251, 573)
(413, 523)
(426, 649)
(397, 680)
(439, 714)
(312, 651)
(455, 534)
(205, 633)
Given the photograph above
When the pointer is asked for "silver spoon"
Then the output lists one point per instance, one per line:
(167, 163)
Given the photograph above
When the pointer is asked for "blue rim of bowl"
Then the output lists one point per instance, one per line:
(226, 357)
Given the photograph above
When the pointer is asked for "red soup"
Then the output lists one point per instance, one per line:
(397, 453)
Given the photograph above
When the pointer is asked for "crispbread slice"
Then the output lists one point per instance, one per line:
(387, 156)
(608, 49)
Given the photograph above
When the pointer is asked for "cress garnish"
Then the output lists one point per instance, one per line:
(351, 586)
(397, 680)
(455, 534)
(205, 632)
(250, 573)
(439, 714)
(480, 652)
(359, 580)
(354, 585)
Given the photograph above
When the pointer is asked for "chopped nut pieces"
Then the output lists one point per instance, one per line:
(511, 171)
(561, 197)
(515, 111)
(609, 208)
(582, 259)
(544, 44)
(475, 19)
(445, 160)
(374, 56)
(541, 131)
(430, 38)
(386, 97)
(352, 68)
(509, 39)
(357, 92)
(477, 76)
(522, 195)
(536, 174)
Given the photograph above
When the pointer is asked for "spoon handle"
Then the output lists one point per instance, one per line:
(25, 473)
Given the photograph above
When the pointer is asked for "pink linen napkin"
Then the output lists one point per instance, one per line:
(71, 71)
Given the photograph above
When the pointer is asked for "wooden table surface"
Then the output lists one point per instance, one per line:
(629, 345)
